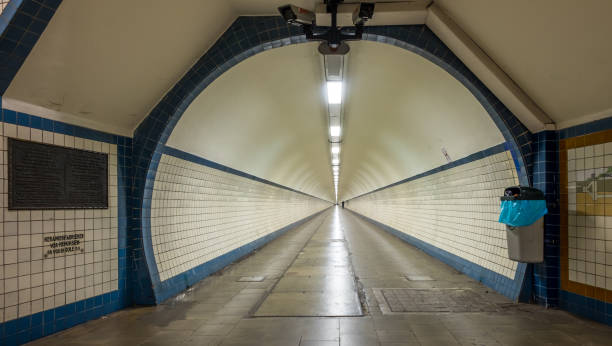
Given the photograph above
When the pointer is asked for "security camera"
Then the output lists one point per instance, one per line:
(366, 11)
(297, 15)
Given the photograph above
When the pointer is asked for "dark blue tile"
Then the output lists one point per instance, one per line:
(37, 26)
(36, 332)
(9, 116)
(36, 319)
(23, 119)
(45, 14)
(13, 33)
(36, 122)
(23, 337)
(49, 316)
(21, 20)
(47, 125)
(63, 128)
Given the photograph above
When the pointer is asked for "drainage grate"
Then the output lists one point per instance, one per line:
(435, 300)
(251, 279)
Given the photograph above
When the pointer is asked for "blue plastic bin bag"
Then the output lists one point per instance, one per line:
(517, 213)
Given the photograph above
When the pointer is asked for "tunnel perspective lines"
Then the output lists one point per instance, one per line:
(320, 281)
(452, 214)
(217, 310)
(249, 36)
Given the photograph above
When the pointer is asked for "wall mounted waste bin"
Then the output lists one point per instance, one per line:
(522, 210)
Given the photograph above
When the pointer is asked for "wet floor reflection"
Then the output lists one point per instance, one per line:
(320, 282)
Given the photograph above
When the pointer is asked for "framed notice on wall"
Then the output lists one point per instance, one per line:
(44, 176)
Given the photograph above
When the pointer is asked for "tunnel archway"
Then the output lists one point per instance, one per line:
(246, 37)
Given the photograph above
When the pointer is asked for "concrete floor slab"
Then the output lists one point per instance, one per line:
(217, 310)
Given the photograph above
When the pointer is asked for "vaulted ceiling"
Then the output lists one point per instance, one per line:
(268, 117)
(105, 65)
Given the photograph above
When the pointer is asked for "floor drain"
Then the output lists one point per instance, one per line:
(419, 278)
(251, 279)
(403, 300)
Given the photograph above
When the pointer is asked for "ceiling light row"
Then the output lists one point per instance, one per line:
(334, 75)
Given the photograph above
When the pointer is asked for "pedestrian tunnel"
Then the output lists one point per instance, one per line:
(219, 164)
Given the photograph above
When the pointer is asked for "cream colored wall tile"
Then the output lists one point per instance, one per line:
(199, 213)
(455, 210)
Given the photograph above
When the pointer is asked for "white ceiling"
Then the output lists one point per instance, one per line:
(557, 51)
(111, 61)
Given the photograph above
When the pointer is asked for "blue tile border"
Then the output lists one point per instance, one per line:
(35, 326)
(594, 309)
(40, 123)
(246, 37)
(508, 287)
(586, 128)
(546, 176)
(177, 284)
(38, 325)
(208, 163)
(546, 277)
(21, 24)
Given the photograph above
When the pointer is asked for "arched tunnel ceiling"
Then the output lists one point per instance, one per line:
(105, 64)
(267, 117)
(401, 111)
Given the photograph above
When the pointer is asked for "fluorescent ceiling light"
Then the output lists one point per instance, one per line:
(335, 149)
(334, 93)
(334, 131)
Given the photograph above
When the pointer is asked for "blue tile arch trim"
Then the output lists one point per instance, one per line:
(27, 328)
(246, 37)
(208, 163)
(21, 25)
(508, 287)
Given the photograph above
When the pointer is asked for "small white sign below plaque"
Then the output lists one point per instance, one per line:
(63, 244)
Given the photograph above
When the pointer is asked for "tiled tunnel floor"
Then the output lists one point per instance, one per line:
(363, 260)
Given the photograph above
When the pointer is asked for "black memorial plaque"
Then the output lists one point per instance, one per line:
(44, 176)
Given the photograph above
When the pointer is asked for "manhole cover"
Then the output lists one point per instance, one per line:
(435, 300)
(251, 279)
(419, 278)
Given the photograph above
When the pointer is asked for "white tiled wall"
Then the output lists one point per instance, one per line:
(589, 175)
(30, 283)
(455, 210)
(3, 4)
(199, 213)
